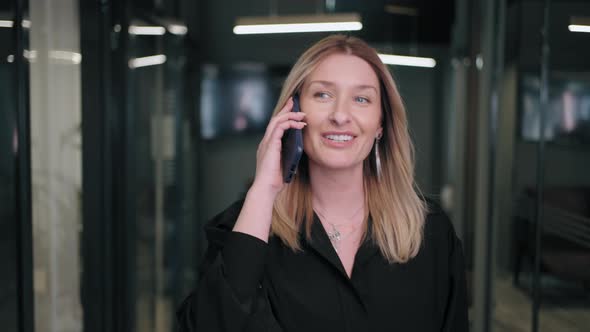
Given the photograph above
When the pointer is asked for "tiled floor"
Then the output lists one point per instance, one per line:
(512, 311)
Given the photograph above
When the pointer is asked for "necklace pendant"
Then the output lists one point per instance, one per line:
(335, 234)
(335, 237)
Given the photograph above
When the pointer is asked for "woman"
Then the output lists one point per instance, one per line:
(349, 245)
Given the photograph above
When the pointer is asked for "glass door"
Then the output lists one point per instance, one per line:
(161, 140)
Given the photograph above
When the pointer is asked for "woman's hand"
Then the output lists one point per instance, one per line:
(256, 214)
(269, 176)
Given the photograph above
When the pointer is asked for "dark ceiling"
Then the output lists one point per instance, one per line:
(429, 23)
(385, 21)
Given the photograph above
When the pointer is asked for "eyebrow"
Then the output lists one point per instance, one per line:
(332, 84)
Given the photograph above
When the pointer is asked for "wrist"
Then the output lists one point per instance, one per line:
(256, 215)
(262, 194)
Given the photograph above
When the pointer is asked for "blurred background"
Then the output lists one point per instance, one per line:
(126, 125)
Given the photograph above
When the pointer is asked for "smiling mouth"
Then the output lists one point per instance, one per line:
(339, 138)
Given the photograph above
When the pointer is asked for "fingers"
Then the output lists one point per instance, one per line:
(297, 116)
(283, 126)
(281, 118)
(286, 112)
(288, 106)
(268, 152)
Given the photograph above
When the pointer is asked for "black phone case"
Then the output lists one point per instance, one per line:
(292, 148)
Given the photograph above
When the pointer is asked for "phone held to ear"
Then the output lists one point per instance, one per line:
(292, 147)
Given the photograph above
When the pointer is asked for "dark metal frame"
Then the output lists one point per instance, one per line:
(497, 55)
(23, 175)
(544, 97)
(106, 293)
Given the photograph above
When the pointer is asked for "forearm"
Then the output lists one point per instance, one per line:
(256, 214)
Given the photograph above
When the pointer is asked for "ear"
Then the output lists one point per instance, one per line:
(379, 133)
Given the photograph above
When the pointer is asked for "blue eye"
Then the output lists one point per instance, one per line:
(361, 100)
(322, 95)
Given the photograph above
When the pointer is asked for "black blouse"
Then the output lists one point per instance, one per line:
(249, 285)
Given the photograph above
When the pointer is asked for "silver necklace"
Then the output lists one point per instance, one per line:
(334, 234)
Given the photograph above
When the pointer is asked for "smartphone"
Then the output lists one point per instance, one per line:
(292, 147)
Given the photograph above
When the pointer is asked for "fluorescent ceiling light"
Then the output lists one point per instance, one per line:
(579, 28)
(144, 30)
(73, 57)
(401, 60)
(9, 24)
(579, 24)
(177, 29)
(294, 24)
(147, 61)
(30, 55)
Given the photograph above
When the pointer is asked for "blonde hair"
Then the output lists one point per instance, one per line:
(393, 200)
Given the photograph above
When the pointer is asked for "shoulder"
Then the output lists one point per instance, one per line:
(218, 227)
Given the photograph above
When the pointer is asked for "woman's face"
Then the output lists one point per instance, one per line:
(342, 101)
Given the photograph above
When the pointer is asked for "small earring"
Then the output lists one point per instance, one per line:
(377, 158)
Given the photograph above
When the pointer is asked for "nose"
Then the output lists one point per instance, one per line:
(340, 113)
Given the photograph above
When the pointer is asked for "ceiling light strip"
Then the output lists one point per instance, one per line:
(297, 27)
(147, 61)
(578, 28)
(73, 57)
(146, 30)
(178, 29)
(5, 24)
(298, 23)
(9, 24)
(402, 60)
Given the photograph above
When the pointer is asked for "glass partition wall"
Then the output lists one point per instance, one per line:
(140, 165)
(162, 154)
(542, 244)
(562, 193)
(15, 223)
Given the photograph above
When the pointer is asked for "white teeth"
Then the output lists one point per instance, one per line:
(339, 138)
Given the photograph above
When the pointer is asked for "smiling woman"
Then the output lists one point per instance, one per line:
(343, 107)
(349, 244)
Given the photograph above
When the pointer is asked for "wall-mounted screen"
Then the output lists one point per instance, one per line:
(238, 99)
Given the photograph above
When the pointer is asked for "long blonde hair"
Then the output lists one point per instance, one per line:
(393, 199)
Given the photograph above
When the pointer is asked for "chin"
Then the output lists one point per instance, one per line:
(336, 164)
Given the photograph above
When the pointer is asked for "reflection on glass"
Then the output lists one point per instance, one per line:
(568, 116)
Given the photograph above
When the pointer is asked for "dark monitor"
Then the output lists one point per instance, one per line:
(238, 99)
